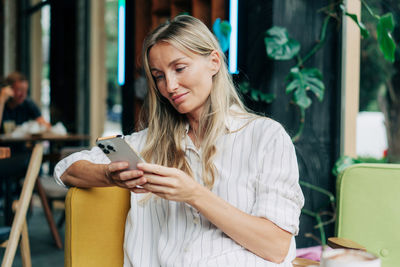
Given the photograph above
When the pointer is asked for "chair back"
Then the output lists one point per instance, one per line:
(95, 226)
(369, 209)
(23, 203)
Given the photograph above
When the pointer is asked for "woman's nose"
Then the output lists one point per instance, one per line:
(172, 83)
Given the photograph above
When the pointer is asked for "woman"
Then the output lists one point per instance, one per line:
(224, 182)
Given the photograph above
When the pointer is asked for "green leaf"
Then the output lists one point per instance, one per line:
(254, 95)
(363, 29)
(301, 99)
(222, 30)
(342, 163)
(313, 78)
(301, 81)
(278, 44)
(268, 98)
(384, 30)
(244, 87)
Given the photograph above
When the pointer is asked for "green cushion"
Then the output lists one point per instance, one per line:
(369, 209)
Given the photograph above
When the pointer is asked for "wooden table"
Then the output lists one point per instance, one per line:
(56, 140)
(5, 152)
(6, 138)
(53, 155)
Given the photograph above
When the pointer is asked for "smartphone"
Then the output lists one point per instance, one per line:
(117, 149)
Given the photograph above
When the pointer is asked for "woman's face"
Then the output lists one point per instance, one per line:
(184, 78)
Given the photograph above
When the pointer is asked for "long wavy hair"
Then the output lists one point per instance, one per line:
(166, 126)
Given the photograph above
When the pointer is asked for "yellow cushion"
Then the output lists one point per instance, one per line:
(95, 225)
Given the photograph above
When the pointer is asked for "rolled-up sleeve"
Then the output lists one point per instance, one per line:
(95, 155)
(278, 194)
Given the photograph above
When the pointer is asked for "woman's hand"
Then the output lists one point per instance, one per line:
(168, 183)
(117, 173)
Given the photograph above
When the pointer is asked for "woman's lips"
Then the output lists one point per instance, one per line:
(178, 98)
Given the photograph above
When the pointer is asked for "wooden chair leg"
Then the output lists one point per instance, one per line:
(25, 248)
(49, 214)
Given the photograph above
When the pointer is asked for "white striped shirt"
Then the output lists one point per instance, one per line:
(256, 172)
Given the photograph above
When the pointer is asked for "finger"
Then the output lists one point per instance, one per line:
(156, 169)
(160, 180)
(131, 174)
(139, 190)
(118, 166)
(156, 188)
(135, 182)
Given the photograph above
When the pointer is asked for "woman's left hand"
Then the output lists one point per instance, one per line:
(168, 183)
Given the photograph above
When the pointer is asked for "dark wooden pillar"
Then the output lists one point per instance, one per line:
(128, 93)
(2, 25)
(63, 47)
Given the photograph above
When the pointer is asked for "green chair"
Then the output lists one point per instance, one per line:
(368, 210)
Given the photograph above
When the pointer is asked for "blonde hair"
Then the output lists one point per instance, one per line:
(166, 126)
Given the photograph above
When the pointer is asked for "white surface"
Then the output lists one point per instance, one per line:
(371, 134)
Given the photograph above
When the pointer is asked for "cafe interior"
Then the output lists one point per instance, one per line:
(81, 60)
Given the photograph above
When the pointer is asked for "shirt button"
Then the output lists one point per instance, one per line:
(196, 220)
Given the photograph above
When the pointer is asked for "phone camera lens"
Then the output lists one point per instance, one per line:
(101, 145)
(110, 148)
(106, 151)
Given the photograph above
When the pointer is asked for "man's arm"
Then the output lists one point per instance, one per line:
(5, 94)
(43, 122)
(36, 114)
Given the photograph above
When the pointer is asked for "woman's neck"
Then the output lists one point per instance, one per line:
(193, 132)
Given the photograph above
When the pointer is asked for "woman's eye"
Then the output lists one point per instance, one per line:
(158, 77)
(180, 69)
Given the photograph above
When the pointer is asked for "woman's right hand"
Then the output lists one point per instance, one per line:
(117, 173)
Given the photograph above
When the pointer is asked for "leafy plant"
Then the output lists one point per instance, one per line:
(222, 30)
(318, 215)
(279, 45)
(301, 80)
(255, 95)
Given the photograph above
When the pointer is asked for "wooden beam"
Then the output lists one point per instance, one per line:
(350, 80)
(10, 36)
(98, 73)
(36, 64)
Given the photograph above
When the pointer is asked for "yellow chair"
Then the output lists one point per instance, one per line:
(95, 225)
(19, 229)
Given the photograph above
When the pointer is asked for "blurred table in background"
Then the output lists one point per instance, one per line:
(7, 138)
(52, 155)
(56, 142)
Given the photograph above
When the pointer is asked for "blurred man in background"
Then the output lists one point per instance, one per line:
(15, 105)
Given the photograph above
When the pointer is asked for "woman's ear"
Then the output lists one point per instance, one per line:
(215, 62)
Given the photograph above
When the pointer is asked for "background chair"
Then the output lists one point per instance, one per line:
(95, 225)
(19, 226)
(368, 210)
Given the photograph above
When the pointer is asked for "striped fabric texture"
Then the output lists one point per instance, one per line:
(257, 173)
